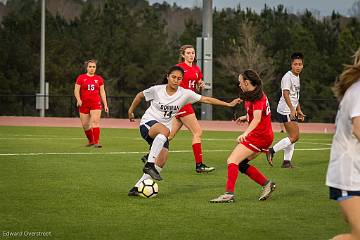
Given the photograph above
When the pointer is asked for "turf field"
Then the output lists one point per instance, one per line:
(50, 182)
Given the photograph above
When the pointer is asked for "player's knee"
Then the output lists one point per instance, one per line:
(165, 132)
(294, 138)
(243, 166)
(170, 137)
(197, 134)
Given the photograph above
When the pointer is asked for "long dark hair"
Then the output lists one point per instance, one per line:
(255, 80)
(171, 69)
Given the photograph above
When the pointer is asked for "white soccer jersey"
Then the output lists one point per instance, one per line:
(292, 83)
(344, 166)
(164, 107)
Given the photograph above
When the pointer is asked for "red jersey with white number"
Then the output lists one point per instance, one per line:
(90, 88)
(191, 76)
(264, 128)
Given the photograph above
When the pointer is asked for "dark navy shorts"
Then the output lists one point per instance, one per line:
(285, 118)
(144, 131)
(340, 195)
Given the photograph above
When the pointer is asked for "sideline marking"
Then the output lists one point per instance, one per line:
(120, 153)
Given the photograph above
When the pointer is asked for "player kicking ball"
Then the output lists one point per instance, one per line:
(155, 125)
(257, 137)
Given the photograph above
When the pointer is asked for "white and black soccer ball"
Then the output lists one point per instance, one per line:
(148, 188)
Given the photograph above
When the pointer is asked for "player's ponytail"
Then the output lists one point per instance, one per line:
(348, 77)
(256, 81)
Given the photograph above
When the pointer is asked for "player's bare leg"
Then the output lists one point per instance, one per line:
(351, 211)
(191, 122)
(85, 122)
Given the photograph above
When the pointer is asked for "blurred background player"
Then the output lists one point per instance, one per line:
(289, 111)
(166, 100)
(257, 137)
(89, 92)
(343, 175)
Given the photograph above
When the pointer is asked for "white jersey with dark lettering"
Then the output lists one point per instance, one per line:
(344, 166)
(289, 82)
(164, 107)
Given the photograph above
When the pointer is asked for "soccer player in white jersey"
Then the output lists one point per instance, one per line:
(155, 125)
(343, 175)
(289, 111)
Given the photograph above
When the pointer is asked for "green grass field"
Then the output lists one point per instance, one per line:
(50, 182)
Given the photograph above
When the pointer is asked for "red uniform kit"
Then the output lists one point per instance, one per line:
(192, 75)
(262, 136)
(90, 92)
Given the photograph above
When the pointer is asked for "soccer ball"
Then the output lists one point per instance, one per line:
(148, 188)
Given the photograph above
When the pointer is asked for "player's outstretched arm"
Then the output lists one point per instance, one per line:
(137, 100)
(215, 101)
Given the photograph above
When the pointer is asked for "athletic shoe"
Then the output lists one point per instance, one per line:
(267, 190)
(270, 155)
(133, 192)
(225, 198)
(96, 145)
(202, 168)
(89, 145)
(150, 169)
(287, 164)
(145, 158)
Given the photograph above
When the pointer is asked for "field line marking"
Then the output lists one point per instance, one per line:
(120, 153)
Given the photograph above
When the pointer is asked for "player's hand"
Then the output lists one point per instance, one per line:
(241, 138)
(235, 102)
(106, 109)
(301, 116)
(241, 120)
(293, 114)
(200, 85)
(79, 103)
(131, 116)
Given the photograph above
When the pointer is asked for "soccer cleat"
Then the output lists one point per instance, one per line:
(145, 158)
(150, 169)
(89, 145)
(202, 168)
(287, 164)
(96, 145)
(270, 155)
(133, 192)
(225, 198)
(267, 190)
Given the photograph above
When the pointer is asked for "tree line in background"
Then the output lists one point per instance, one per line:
(135, 43)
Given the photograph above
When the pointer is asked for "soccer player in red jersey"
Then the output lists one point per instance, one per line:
(192, 80)
(257, 137)
(89, 92)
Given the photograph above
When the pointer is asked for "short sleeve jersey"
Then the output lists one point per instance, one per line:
(192, 75)
(344, 166)
(289, 82)
(264, 128)
(164, 107)
(90, 88)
